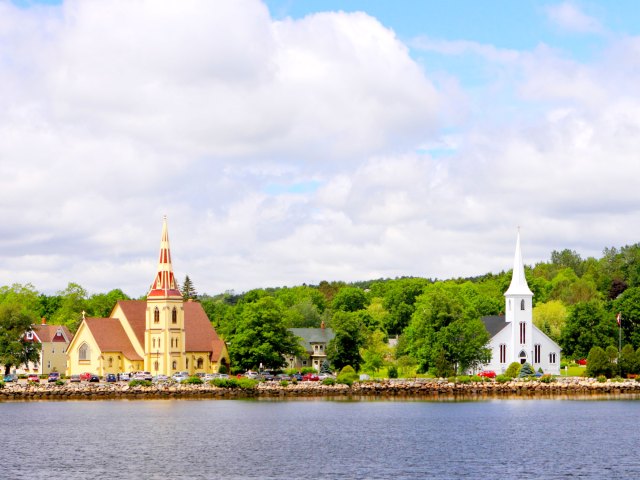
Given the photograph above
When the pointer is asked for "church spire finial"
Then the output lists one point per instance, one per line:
(164, 285)
(518, 284)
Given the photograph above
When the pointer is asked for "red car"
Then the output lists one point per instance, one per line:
(33, 377)
(582, 361)
(86, 376)
(310, 377)
(487, 374)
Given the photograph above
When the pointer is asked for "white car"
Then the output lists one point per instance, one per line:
(180, 376)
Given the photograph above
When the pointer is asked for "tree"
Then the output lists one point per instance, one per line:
(588, 325)
(73, 301)
(375, 352)
(628, 304)
(325, 367)
(15, 348)
(598, 363)
(526, 370)
(349, 299)
(628, 360)
(344, 348)
(101, 304)
(260, 337)
(188, 290)
(550, 317)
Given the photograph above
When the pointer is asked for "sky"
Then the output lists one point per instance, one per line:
(291, 142)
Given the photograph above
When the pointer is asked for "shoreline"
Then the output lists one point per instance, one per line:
(427, 389)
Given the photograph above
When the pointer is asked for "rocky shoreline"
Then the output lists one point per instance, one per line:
(418, 388)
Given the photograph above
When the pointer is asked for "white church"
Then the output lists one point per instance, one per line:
(514, 337)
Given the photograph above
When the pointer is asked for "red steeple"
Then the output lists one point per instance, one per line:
(164, 285)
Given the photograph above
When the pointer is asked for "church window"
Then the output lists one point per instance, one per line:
(110, 361)
(200, 363)
(523, 333)
(83, 352)
(509, 304)
(155, 365)
(158, 343)
(522, 304)
(522, 356)
(156, 315)
(153, 343)
(187, 363)
(503, 353)
(536, 353)
(174, 365)
(174, 315)
(552, 357)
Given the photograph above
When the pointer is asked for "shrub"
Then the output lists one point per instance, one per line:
(463, 379)
(223, 369)
(247, 383)
(308, 370)
(329, 381)
(59, 382)
(349, 372)
(451, 379)
(1, 384)
(526, 370)
(617, 379)
(344, 380)
(284, 383)
(392, 371)
(602, 378)
(503, 378)
(598, 363)
(192, 381)
(513, 370)
(547, 378)
(140, 383)
(478, 379)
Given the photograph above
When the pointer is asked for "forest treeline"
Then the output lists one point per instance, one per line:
(436, 322)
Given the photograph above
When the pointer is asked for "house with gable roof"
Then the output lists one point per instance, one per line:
(314, 341)
(162, 334)
(54, 341)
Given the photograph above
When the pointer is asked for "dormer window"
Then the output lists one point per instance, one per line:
(29, 336)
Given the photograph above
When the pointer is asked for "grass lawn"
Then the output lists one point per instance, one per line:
(573, 371)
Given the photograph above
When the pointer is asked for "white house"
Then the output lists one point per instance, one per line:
(514, 337)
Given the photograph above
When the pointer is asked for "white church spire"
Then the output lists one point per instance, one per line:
(519, 284)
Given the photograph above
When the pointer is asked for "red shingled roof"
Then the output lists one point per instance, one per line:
(48, 333)
(111, 337)
(134, 311)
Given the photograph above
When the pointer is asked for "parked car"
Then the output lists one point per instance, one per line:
(180, 376)
(487, 374)
(582, 361)
(10, 377)
(310, 377)
(250, 374)
(110, 377)
(75, 378)
(297, 376)
(281, 377)
(160, 378)
(53, 377)
(94, 378)
(33, 377)
(124, 377)
(267, 375)
(322, 376)
(85, 376)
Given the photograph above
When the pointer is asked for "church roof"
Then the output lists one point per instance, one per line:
(518, 284)
(494, 323)
(164, 285)
(111, 337)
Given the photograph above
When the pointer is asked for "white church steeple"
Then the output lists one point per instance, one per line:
(518, 284)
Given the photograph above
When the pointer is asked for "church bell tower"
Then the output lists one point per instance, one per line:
(164, 338)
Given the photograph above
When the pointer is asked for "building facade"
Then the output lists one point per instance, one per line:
(514, 337)
(161, 335)
(54, 341)
(315, 342)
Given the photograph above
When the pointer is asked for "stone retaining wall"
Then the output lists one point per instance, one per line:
(419, 388)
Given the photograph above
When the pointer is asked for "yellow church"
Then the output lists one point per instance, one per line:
(161, 335)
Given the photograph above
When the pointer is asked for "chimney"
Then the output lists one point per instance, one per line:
(44, 321)
(322, 325)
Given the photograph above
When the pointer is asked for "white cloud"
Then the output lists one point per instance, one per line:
(570, 17)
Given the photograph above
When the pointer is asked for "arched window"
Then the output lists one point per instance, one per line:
(187, 363)
(522, 356)
(155, 365)
(174, 365)
(503, 353)
(110, 362)
(83, 352)
(200, 363)
(522, 304)
(523, 333)
(156, 315)
(153, 343)
(174, 315)
(552, 357)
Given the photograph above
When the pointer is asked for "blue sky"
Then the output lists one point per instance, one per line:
(291, 142)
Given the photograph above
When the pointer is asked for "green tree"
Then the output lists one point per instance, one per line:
(628, 360)
(628, 304)
(349, 299)
(375, 352)
(260, 336)
(598, 363)
(188, 290)
(344, 348)
(550, 317)
(73, 301)
(588, 325)
(101, 304)
(15, 348)
(526, 370)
